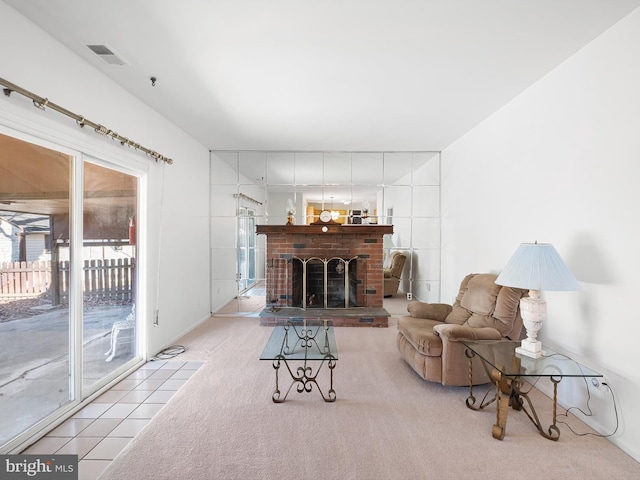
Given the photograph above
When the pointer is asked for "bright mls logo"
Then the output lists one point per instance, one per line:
(50, 467)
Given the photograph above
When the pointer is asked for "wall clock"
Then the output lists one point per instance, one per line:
(325, 219)
(325, 216)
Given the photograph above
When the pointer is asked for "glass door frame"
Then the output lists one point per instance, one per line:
(140, 344)
(79, 397)
(246, 249)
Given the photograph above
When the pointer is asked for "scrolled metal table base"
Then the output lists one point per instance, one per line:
(304, 377)
(509, 393)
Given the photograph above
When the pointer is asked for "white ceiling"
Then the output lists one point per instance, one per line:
(329, 75)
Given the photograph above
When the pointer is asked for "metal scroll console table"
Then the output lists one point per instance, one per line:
(311, 341)
(508, 369)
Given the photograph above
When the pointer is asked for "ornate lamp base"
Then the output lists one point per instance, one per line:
(530, 349)
(533, 310)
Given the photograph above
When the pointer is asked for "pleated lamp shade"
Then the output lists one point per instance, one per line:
(537, 266)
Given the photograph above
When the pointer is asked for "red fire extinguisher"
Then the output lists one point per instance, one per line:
(132, 232)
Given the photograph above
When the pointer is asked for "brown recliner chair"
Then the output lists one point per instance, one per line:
(429, 339)
(393, 274)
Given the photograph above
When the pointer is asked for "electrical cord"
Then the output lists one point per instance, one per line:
(589, 412)
(169, 352)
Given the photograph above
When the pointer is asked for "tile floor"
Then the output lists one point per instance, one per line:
(99, 432)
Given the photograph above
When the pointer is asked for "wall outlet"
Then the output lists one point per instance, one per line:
(156, 319)
(409, 296)
(600, 383)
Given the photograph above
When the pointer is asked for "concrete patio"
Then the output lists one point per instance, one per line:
(34, 361)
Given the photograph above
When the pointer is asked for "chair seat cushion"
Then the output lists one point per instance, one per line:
(419, 332)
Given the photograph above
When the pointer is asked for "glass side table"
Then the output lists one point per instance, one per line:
(508, 370)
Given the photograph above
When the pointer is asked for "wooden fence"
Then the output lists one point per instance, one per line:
(24, 279)
(110, 279)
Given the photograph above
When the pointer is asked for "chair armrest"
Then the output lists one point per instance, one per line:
(432, 311)
(455, 333)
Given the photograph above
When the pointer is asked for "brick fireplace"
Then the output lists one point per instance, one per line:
(330, 271)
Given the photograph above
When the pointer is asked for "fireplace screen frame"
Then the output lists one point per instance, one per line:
(345, 263)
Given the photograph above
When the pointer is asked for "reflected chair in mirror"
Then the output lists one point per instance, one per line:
(393, 274)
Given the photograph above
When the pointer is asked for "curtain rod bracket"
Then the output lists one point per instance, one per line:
(7, 91)
(40, 103)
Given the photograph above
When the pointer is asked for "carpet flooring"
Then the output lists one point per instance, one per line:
(387, 423)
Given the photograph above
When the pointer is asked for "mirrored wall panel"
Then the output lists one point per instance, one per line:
(249, 188)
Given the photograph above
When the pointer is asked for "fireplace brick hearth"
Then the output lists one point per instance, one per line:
(289, 246)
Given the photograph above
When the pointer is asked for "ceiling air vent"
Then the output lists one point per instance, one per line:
(107, 54)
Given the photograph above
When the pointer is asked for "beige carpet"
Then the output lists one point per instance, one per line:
(243, 306)
(386, 424)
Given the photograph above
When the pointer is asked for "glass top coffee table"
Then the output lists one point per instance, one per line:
(507, 369)
(302, 344)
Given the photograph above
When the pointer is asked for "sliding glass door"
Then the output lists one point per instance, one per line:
(67, 281)
(35, 326)
(109, 274)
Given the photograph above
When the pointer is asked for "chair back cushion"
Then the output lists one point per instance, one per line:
(483, 303)
(397, 264)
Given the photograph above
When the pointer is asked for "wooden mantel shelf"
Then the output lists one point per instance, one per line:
(331, 229)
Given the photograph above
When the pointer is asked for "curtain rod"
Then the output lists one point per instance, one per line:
(41, 103)
(246, 197)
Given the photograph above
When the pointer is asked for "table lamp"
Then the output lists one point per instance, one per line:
(535, 267)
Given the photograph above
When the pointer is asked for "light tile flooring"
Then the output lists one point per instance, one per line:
(99, 432)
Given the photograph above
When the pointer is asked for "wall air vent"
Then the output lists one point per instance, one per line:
(107, 54)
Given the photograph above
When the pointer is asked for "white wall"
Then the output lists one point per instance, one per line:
(177, 268)
(560, 164)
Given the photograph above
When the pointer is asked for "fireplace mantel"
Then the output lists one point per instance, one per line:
(332, 228)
